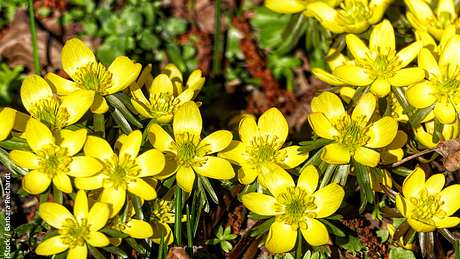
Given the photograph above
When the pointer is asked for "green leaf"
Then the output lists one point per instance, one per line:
(331, 228)
(352, 244)
(116, 251)
(307, 146)
(401, 253)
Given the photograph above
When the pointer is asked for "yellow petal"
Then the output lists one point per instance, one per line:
(62, 182)
(420, 226)
(364, 108)
(424, 138)
(428, 63)
(447, 222)
(445, 112)
(285, 6)
(448, 32)
(151, 162)
(89, 183)
(435, 183)
(421, 10)
(73, 141)
(409, 53)
(326, 15)
(115, 197)
(450, 54)
(234, 152)
(54, 214)
(293, 157)
(99, 215)
(382, 132)
(195, 80)
(61, 85)
(247, 174)
(131, 145)
(403, 205)
(356, 46)
(449, 199)
(97, 239)
(316, 233)
(75, 54)
(216, 168)
(161, 84)
(25, 159)
(161, 228)
(322, 126)
(99, 105)
(336, 154)
(35, 182)
(278, 130)
(329, 104)
(421, 95)
(187, 120)
(367, 156)
(215, 141)
(328, 200)
(38, 135)
(77, 104)
(98, 148)
(414, 183)
(145, 78)
(77, 252)
(446, 7)
(281, 237)
(80, 208)
(138, 229)
(142, 189)
(141, 108)
(308, 179)
(160, 139)
(84, 166)
(124, 72)
(327, 77)
(33, 89)
(275, 179)
(382, 37)
(7, 117)
(354, 75)
(185, 177)
(381, 87)
(259, 203)
(407, 76)
(51, 246)
(248, 128)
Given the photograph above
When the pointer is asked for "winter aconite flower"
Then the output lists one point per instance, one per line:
(162, 215)
(79, 62)
(354, 136)
(424, 133)
(295, 208)
(75, 231)
(351, 16)
(165, 92)
(189, 154)
(260, 146)
(54, 111)
(53, 159)
(378, 66)
(123, 172)
(442, 87)
(426, 205)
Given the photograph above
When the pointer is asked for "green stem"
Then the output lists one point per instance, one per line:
(99, 124)
(189, 232)
(57, 195)
(292, 32)
(327, 175)
(6, 162)
(178, 214)
(15, 144)
(116, 103)
(298, 251)
(33, 32)
(217, 51)
(121, 121)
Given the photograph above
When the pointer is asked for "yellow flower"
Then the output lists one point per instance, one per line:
(260, 146)
(295, 208)
(162, 215)
(165, 92)
(45, 106)
(378, 66)
(354, 136)
(421, 16)
(53, 159)
(352, 16)
(394, 152)
(424, 133)
(123, 172)
(135, 228)
(426, 205)
(75, 231)
(187, 152)
(442, 87)
(11, 119)
(79, 62)
(294, 6)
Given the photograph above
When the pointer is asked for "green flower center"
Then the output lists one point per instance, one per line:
(382, 63)
(120, 171)
(352, 132)
(162, 211)
(93, 76)
(74, 233)
(54, 159)
(426, 207)
(296, 205)
(263, 149)
(50, 112)
(353, 12)
(188, 153)
(163, 104)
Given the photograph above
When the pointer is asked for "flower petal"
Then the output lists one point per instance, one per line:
(187, 119)
(322, 126)
(260, 204)
(97, 239)
(84, 166)
(7, 117)
(99, 215)
(247, 128)
(409, 53)
(61, 85)
(329, 104)
(450, 54)
(161, 228)
(131, 144)
(54, 214)
(364, 108)
(285, 6)
(51, 246)
(447, 222)
(327, 77)
(421, 95)
(115, 197)
(308, 179)
(336, 154)
(73, 140)
(89, 183)
(77, 104)
(151, 162)
(293, 157)
(382, 132)
(80, 208)
(215, 141)
(99, 105)
(38, 135)
(316, 233)
(435, 183)
(275, 178)
(124, 72)
(367, 156)
(142, 189)
(420, 226)
(421, 10)
(278, 130)
(98, 148)
(161, 84)
(35, 182)
(34, 89)
(449, 199)
(185, 178)
(74, 55)
(326, 15)
(62, 182)
(328, 200)
(234, 152)
(445, 112)
(414, 183)
(354, 75)
(356, 46)
(160, 139)
(407, 76)
(138, 229)
(382, 37)
(77, 252)
(216, 168)
(281, 237)
(381, 87)
(25, 159)
(403, 205)
(247, 174)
